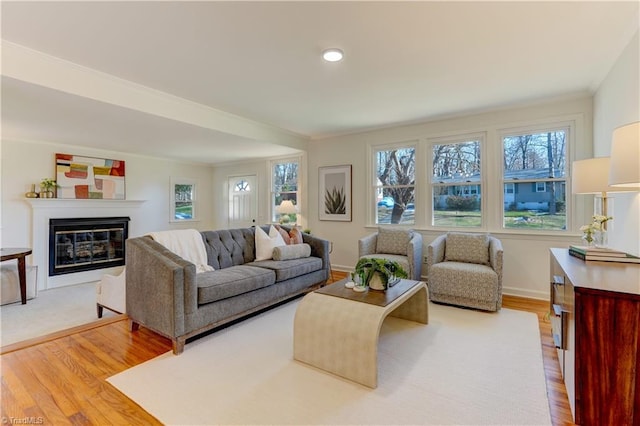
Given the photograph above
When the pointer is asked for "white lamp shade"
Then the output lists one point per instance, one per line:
(625, 157)
(591, 176)
(287, 207)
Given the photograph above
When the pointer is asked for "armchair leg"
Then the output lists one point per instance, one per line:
(133, 326)
(100, 310)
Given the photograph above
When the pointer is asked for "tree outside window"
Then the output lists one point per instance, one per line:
(534, 166)
(183, 200)
(456, 184)
(284, 187)
(395, 185)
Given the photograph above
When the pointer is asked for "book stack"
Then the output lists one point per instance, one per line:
(602, 254)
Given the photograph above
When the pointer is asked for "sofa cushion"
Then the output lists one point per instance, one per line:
(287, 269)
(295, 251)
(468, 248)
(232, 281)
(229, 247)
(467, 280)
(393, 241)
(266, 243)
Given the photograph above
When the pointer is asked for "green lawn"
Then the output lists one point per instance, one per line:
(513, 219)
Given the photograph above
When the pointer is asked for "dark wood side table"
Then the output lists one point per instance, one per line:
(20, 254)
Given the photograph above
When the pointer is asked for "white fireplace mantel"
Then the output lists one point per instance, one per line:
(57, 203)
(44, 209)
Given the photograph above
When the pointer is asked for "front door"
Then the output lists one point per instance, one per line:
(243, 201)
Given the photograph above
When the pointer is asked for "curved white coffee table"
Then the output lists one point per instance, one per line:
(336, 329)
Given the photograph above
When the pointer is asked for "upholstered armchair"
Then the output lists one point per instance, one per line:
(111, 293)
(465, 269)
(401, 245)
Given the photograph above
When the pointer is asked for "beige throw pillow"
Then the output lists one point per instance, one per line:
(295, 251)
(393, 241)
(467, 248)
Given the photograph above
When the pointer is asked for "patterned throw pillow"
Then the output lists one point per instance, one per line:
(296, 236)
(393, 241)
(285, 235)
(467, 248)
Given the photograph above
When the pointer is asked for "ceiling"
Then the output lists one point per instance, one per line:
(226, 81)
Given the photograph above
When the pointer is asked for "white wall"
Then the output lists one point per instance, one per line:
(616, 103)
(24, 163)
(526, 268)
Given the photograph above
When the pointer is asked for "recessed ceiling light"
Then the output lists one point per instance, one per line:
(332, 55)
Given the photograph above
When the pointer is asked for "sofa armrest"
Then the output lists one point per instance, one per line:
(367, 245)
(160, 287)
(414, 253)
(319, 248)
(495, 256)
(435, 251)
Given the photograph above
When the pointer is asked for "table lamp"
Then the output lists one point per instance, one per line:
(625, 157)
(591, 176)
(285, 209)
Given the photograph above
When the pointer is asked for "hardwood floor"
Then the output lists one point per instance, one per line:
(61, 379)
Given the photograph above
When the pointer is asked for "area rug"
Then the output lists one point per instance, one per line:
(463, 368)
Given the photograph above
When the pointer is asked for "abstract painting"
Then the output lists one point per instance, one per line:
(89, 178)
(335, 193)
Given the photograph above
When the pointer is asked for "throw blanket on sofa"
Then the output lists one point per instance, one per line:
(186, 243)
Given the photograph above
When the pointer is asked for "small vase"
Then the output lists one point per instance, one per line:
(589, 242)
(600, 239)
(32, 193)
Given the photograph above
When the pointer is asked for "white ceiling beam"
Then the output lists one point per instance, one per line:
(45, 70)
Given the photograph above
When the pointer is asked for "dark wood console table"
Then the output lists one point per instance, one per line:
(20, 254)
(595, 320)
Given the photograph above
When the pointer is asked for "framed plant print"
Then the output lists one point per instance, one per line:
(335, 193)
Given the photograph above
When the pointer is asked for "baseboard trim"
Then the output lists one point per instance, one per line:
(58, 334)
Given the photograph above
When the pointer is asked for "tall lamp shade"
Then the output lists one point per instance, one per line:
(591, 176)
(625, 157)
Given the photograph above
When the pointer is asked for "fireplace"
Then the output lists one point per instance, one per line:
(84, 244)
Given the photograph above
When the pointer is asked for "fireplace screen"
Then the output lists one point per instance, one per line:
(84, 244)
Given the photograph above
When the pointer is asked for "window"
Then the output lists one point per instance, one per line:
(284, 186)
(535, 167)
(457, 184)
(394, 188)
(183, 199)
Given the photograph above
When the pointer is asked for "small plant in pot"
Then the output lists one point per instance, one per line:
(379, 273)
(47, 186)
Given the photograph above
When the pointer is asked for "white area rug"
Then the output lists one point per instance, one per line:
(464, 368)
(53, 310)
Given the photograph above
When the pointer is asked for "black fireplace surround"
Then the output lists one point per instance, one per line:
(84, 244)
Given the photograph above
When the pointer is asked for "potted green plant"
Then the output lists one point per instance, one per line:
(47, 186)
(378, 273)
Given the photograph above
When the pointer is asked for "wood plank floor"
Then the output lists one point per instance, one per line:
(61, 379)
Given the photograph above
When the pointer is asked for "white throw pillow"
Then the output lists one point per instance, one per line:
(266, 243)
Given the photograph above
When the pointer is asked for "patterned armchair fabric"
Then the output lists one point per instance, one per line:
(466, 270)
(400, 245)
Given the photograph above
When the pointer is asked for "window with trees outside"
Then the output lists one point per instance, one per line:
(183, 199)
(456, 184)
(534, 178)
(284, 186)
(395, 185)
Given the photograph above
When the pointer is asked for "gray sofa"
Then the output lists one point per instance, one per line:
(165, 294)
